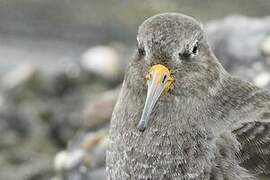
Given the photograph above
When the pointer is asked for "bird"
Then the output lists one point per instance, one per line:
(181, 116)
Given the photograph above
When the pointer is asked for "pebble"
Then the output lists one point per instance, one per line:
(262, 79)
(97, 174)
(93, 117)
(102, 61)
(236, 40)
(18, 76)
(87, 151)
(242, 44)
(66, 160)
(265, 49)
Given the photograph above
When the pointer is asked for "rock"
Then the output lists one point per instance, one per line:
(262, 79)
(265, 48)
(60, 161)
(90, 140)
(73, 70)
(102, 61)
(84, 155)
(35, 169)
(97, 174)
(15, 124)
(83, 174)
(242, 44)
(61, 84)
(88, 149)
(40, 120)
(93, 117)
(65, 160)
(99, 154)
(23, 74)
(95, 144)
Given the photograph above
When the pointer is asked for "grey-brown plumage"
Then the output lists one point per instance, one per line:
(186, 117)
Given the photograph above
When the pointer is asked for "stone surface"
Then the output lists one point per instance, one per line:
(24, 74)
(102, 61)
(39, 114)
(241, 44)
(98, 112)
(84, 155)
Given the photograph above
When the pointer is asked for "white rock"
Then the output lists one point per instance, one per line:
(265, 46)
(65, 160)
(59, 160)
(103, 61)
(262, 79)
(19, 75)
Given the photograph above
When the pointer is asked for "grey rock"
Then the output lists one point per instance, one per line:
(98, 112)
(241, 44)
(265, 47)
(21, 75)
(40, 113)
(102, 61)
(84, 155)
(38, 168)
(98, 174)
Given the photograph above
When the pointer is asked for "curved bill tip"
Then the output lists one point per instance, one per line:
(141, 126)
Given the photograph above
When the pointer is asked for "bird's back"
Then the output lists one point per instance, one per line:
(252, 130)
(246, 110)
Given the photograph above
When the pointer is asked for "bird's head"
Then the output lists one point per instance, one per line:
(178, 59)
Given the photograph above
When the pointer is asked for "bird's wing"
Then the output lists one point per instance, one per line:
(254, 138)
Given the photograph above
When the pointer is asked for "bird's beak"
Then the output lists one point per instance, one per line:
(159, 80)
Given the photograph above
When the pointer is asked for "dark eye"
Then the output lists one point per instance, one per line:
(141, 51)
(190, 52)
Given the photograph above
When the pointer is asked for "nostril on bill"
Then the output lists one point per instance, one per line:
(164, 78)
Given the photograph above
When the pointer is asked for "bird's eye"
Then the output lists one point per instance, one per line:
(190, 52)
(141, 51)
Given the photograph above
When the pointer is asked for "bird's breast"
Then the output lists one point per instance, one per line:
(159, 153)
(171, 146)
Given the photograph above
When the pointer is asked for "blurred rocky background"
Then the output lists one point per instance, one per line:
(61, 67)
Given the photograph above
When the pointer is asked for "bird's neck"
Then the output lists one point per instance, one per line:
(176, 133)
(167, 111)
